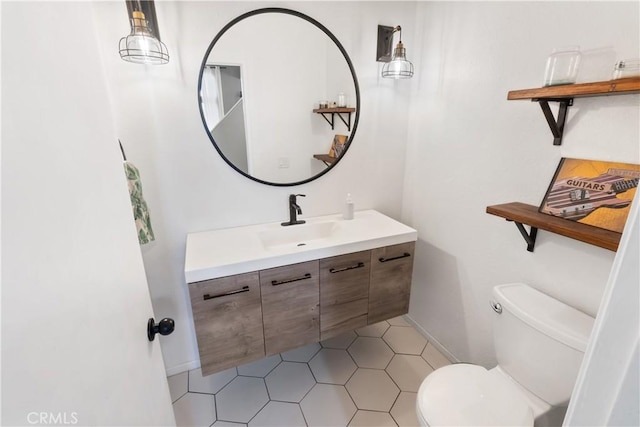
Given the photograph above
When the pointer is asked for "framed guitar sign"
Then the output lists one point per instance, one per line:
(592, 192)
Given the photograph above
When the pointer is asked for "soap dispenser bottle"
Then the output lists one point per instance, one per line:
(348, 208)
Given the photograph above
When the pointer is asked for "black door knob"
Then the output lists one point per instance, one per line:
(164, 327)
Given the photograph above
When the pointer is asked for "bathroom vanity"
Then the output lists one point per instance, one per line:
(264, 289)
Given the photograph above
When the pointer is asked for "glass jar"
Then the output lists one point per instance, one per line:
(342, 100)
(562, 66)
(626, 68)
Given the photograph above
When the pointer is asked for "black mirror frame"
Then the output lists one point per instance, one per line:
(354, 126)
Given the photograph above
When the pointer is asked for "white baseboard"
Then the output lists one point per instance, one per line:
(183, 367)
(446, 353)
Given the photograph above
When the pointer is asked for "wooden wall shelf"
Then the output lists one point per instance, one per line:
(327, 159)
(564, 94)
(331, 112)
(608, 87)
(521, 213)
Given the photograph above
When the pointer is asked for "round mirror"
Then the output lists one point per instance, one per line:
(262, 90)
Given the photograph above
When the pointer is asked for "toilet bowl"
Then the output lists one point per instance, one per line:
(465, 394)
(539, 344)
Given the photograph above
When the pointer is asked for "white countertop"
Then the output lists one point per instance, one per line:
(229, 251)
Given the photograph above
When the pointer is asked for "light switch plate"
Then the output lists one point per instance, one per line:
(283, 162)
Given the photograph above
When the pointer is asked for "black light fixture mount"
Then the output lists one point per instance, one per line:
(385, 43)
(143, 44)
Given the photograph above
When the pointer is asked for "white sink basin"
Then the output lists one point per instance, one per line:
(229, 251)
(295, 236)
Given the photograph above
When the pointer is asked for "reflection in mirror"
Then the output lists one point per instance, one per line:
(223, 109)
(262, 76)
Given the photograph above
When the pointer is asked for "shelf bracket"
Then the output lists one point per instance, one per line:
(529, 237)
(328, 121)
(556, 125)
(331, 122)
(347, 124)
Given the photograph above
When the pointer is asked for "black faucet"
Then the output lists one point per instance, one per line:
(294, 210)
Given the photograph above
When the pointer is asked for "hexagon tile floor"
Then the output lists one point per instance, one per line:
(369, 377)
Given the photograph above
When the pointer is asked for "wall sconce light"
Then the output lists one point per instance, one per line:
(143, 45)
(397, 66)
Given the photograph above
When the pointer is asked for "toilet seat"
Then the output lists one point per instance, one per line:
(469, 395)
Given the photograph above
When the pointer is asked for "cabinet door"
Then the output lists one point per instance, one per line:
(228, 321)
(290, 306)
(344, 293)
(391, 269)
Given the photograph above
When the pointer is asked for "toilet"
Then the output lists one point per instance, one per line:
(539, 344)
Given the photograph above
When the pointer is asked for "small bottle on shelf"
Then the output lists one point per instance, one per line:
(626, 68)
(348, 208)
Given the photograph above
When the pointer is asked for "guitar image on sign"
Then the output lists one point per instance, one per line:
(575, 198)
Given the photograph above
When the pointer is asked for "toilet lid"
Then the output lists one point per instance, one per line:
(467, 395)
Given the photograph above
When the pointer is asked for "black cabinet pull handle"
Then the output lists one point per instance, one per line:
(237, 291)
(282, 282)
(404, 255)
(352, 267)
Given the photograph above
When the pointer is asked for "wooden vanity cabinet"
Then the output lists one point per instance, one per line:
(390, 287)
(227, 313)
(244, 317)
(344, 293)
(290, 306)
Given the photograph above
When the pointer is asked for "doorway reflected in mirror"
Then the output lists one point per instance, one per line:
(223, 109)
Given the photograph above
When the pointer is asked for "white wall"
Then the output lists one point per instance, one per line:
(468, 148)
(189, 188)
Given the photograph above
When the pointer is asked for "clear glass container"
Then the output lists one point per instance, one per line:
(342, 100)
(626, 68)
(562, 66)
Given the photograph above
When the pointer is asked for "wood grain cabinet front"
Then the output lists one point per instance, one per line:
(390, 287)
(344, 293)
(290, 306)
(244, 317)
(227, 314)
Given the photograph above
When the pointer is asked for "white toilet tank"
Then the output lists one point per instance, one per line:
(539, 341)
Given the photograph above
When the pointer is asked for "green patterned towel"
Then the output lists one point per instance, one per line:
(140, 209)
